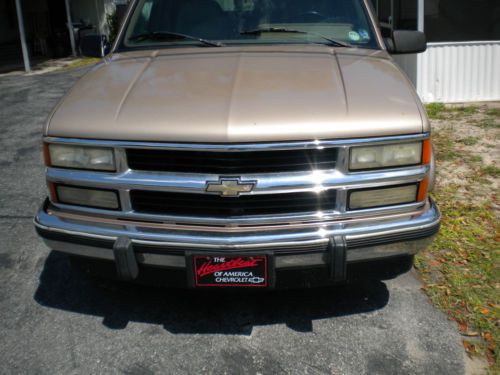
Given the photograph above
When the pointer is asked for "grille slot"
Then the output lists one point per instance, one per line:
(294, 249)
(231, 162)
(207, 205)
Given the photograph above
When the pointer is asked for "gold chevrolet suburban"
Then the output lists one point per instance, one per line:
(242, 144)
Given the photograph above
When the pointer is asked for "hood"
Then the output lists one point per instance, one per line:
(235, 95)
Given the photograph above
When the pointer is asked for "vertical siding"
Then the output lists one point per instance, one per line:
(459, 72)
(409, 64)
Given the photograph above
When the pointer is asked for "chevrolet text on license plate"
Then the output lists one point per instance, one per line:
(231, 271)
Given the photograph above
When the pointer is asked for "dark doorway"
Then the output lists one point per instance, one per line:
(10, 48)
(47, 35)
(46, 29)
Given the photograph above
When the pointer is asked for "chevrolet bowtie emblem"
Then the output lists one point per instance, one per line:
(230, 187)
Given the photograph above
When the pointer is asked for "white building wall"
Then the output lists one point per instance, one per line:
(455, 72)
(409, 65)
(459, 72)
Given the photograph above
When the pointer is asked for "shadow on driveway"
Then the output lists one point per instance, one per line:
(185, 311)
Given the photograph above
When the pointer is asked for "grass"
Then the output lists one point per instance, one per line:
(461, 270)
(439, 111)
(469, 141)
(488, 123)
(85, 61)
(490, 170)
(493, 112)
(468, 110)
(475, 158)
(461, 273)
(435, 110)
(444, 145)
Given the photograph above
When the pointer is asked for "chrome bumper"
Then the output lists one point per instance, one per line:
(293, 246)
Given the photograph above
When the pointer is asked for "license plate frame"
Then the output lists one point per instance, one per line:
(202, 269)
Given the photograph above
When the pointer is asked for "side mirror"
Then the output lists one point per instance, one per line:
(406, 41)
(94, 46)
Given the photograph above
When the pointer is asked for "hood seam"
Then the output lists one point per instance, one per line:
(341, 73)
(133, 83)
(231, 99)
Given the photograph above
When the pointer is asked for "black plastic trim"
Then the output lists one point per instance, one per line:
(126, 264)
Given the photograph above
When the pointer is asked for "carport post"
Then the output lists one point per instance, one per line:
(22, 36)
(418, 57)
(71, 30)
(421, 15)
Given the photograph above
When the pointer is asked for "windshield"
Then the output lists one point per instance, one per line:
(219, 23)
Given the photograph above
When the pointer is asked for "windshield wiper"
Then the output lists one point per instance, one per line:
(285, 30)
(170, 35)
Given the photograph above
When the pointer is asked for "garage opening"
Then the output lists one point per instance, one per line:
(47, 35)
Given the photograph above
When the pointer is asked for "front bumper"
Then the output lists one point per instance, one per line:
(307, 245)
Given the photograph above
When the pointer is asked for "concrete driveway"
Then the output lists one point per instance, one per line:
(53, 321)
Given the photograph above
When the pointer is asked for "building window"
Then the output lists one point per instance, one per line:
(462, 20)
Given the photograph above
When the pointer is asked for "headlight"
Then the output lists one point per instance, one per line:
(78, 157)
(359, 199)
(87, 197)
(395, 155)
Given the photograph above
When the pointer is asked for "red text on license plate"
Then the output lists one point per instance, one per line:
(230, 271)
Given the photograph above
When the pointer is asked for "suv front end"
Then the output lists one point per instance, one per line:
(315, 218)
(232, 143)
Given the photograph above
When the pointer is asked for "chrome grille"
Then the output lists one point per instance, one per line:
(154, 202)
(330, 173)
(228, 163)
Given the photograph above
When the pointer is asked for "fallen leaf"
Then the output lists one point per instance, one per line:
(462, 326)
(487, 336)
(485, 311)
(470, 333)
(469, 347)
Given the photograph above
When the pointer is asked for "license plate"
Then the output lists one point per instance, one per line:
(231, 271)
